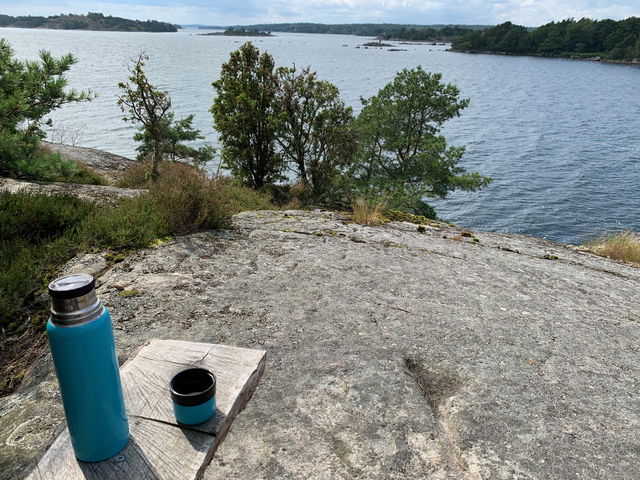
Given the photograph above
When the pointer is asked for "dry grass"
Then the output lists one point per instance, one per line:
(367, 213)
(624, 246)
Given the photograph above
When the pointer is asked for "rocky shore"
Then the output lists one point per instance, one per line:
(109, 165)
(101, 194)
(394, 352)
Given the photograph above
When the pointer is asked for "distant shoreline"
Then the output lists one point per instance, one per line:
(595, 59)
(89, 22)
(83, 29)
(223, 34)
(238, 32)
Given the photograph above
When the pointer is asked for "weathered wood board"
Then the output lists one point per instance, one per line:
(159, 448)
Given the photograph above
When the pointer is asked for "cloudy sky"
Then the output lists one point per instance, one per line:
(229, 12)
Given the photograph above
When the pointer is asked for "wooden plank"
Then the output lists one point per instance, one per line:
(155, 451)
(159, 448)
(146, 380)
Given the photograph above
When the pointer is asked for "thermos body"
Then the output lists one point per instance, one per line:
(86, 364)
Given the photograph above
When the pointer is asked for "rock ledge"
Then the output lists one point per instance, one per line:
(392, 353)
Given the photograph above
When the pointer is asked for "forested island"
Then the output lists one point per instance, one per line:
(239, 32)
(608, 40)
(383, 31)
(90, 21)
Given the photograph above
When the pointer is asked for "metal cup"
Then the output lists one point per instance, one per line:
(193, 392)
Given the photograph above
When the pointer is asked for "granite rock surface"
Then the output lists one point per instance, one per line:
(100, 194)
(393, 353)
(109, 165)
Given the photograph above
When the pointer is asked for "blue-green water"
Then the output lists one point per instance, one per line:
(560, 138)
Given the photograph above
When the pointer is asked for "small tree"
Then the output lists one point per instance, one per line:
(172, 144)
(145, 104)
(246, 114)
(316, 134)
(29, 91)
(402, 157)
(160, 135)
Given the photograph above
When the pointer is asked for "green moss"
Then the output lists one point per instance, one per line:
(161, 241)
(130, 293)
(400, 216)
(84, 175)
(119, 257)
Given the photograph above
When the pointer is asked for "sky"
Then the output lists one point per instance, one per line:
(424, 12)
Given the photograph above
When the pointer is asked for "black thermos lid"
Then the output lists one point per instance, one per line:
(72, 286)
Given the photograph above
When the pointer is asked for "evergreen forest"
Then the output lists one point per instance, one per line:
(607, 39)
(90, 21)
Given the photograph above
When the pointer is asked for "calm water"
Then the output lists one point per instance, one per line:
(560, 138)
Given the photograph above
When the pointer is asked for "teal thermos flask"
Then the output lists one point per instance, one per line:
(84, 355)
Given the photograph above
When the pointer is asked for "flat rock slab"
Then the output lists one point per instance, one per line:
(159, 448)
(109, 165)
(393, 353)
(100, 194)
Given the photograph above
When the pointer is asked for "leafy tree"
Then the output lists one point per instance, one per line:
(316, 134)
(403, 158)
(28, 91)
(246, 113)
(160, 134)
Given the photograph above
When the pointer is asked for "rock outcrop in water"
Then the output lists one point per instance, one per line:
(393, 353)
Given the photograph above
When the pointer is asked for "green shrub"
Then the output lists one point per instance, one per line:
(190, 200)
(183, 199)
(138, 176)
(134, 223)
(35, 217)
(45, 167)
(84, 175)
(37, 235)
(292, 196)
(232, 197)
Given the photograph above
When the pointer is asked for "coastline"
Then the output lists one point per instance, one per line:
(87, 29)
(597, 59)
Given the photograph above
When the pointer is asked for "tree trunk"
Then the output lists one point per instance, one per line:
(157, 156)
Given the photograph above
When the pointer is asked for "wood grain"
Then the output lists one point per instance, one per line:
(159, 448)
